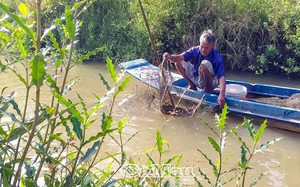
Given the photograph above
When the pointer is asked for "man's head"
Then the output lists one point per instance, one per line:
(207, 42)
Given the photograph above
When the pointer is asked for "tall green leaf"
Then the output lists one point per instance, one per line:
(123, 84)
(6, 174)
(67, 128)
(18, 20)
(95, 109)
(214, 144)
(159, 142)
(15, 107)
(76, 114)
(105, 82)
(38, 70)
(106, 122)
(94, 138)
(257, 179)
(223, 118)
(52, 39)
(77, 127)
(21, 78)
(214, 167)
(204, 176)
(23, 9)
(70, 24)
(260, 131)
(121, 125)
(243, 156)
(22, 49)
(16, 133)
(91, 151)
(5, 36)
(30, 171)
(84, 108)
(240, 138)
(2, 132)
(63, 100)
(250, 127)
(52, 83)
(111, 69)
(90, 53)
(267, 144)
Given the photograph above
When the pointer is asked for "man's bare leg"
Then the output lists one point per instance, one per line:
(207, 78)
(182, 71)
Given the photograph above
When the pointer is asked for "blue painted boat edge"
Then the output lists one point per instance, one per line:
(252, 87)
(295, 123)
(266, 89)
(264, 111)
(211, 99)
(134, 64)
(243, 107)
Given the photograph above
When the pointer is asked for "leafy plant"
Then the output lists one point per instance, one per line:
(69, 158)
(238, 173)
(157, 171)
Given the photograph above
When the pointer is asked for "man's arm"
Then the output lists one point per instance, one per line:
(173, 58)
(222, 85)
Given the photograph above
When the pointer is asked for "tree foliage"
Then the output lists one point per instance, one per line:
(258, 35)
(112, 23)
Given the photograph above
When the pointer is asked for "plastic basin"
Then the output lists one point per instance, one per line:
(236, 91)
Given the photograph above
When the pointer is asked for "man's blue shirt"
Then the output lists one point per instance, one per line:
(194, 56)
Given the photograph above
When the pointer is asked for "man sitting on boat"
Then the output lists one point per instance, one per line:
(202, 66)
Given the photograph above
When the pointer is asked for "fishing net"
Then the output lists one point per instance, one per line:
(167, 105)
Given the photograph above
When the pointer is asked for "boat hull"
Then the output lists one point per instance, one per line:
(279, 117)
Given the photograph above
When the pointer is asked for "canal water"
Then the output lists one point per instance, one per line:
(185, 135)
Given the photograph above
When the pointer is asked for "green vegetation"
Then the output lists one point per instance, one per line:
(33, 144)
(112, 23)
(238, 173)
(50, 144)
(257, 35)
(260, 35)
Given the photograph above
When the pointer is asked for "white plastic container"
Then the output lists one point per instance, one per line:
(236, 91)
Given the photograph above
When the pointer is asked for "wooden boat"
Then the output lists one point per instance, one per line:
(280, 117)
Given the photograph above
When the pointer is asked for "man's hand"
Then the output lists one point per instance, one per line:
(166, 56)
(173, 58)
(221, 100)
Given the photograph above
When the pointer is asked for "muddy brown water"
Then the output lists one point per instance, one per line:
(184, 134)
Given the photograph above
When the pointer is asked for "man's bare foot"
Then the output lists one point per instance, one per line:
(192, 87)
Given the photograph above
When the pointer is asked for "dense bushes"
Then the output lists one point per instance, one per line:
(111, 23)
(261, 35)
(258, 35)
(282, 54)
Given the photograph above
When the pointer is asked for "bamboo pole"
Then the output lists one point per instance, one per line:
(150, 34)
